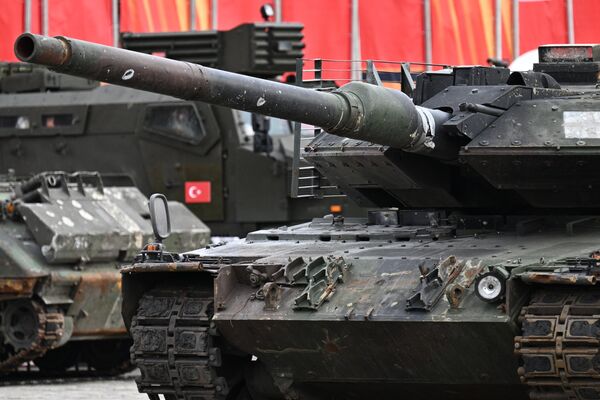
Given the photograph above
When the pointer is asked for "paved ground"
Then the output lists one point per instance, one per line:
(119, 389)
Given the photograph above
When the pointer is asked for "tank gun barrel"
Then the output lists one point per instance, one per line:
(357, 110)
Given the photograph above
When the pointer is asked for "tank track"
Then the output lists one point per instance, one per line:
(560, 344)
(173, 346)
(50, 330)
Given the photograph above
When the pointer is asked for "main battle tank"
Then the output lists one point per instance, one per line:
(475, 276)
(62, 239)
(53, 121)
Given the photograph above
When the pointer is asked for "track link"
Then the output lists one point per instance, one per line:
(560, 344)
(173, 348)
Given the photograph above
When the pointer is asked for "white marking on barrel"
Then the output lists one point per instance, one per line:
(128, 74)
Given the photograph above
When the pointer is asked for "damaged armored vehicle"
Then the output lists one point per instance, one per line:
(203, 155)
(474, 276)
(62, 239)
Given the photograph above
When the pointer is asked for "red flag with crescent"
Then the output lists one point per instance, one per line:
(197, 192)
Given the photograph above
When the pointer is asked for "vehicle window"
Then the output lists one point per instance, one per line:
(15, 122)
(56, 120)
(179, 122)
(278, 126)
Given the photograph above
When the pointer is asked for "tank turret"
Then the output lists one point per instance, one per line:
(474, 138)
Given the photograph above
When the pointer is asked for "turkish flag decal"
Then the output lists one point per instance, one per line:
(197, 192)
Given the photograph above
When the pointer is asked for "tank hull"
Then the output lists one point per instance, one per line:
(368, 337)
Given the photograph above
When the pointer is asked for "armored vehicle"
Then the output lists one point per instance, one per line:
(62, 239)
(203, 155)
(475, 276)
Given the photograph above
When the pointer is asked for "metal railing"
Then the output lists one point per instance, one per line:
(307, 181)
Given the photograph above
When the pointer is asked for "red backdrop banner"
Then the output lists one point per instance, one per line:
(544, 22)
(392, 30)
(462, 30)
(12, 22)
(234, 12)
(162, 15)
(586, 15)
(89, 19)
